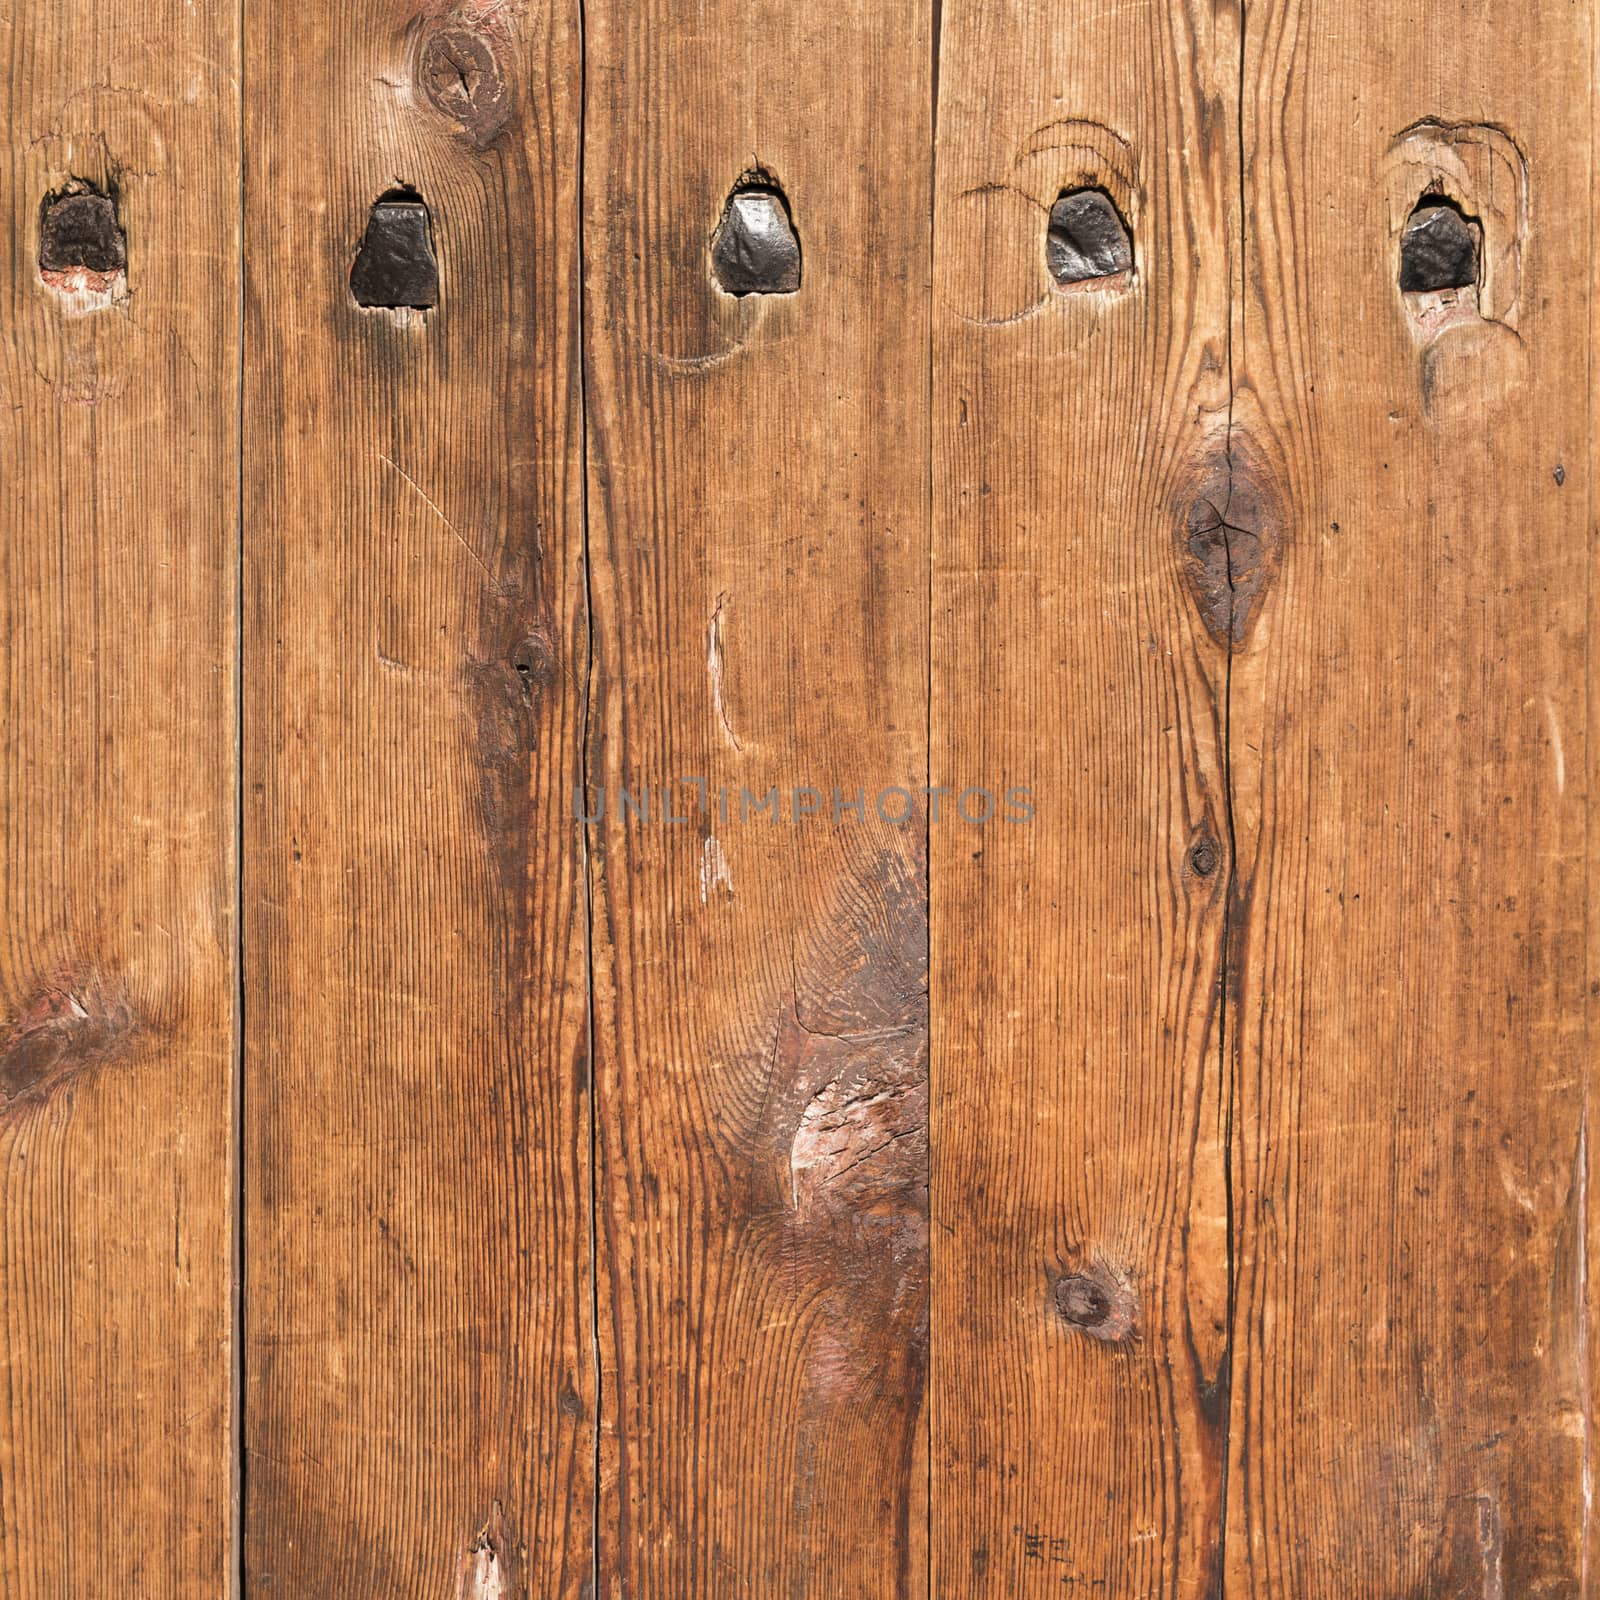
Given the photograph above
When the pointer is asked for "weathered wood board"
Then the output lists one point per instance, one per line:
(758, 513)
(119, 514)
(419, 1395)
(1410, 1065)
(1079, 1377)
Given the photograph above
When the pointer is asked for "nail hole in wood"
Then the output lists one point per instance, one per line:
(533, 662)
(83, 252)
(755, 249)
(396, 267)
(1439, 248)
(1087, 240)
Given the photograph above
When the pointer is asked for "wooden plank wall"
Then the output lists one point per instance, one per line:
(1411, 1400)
(1274, 1249)
(1080, 1119)
(1180, 1190)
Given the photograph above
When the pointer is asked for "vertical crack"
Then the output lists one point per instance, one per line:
(1230, 925)
(929, 1385)
(236, 1565)
(583, 831)
(1585, 1376)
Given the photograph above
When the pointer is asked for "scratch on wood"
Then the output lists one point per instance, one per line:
(715, 668)
(1580, 1185)
(855, 1051)
(1555, 745)
(1491, 1545)
(439, 514)
(714, 873)
(844, 1126)
(483, 1570)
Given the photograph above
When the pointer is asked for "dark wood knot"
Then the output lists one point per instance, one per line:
(461, 76)
(1097, 1302)
(1232, 516)
(1205, 856)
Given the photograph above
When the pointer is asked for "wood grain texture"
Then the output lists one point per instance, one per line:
(118, 550)
(1080, 1342)
(419, 1402)
(758, 510)
(631, 1208)
(1411, 1406)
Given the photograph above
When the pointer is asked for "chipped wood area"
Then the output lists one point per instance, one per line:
(494, 1104)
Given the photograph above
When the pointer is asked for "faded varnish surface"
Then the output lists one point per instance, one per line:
(418, 1401)
(118, 552)
(721, 416)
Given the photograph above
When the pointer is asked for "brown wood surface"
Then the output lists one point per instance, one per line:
(758, 515)
(118, 585)
(631, 1210)
(419, 1399)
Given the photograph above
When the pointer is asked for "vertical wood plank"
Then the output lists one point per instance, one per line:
(118, 430)
(1410, 779)
(1589, 1216)
(758, 527)
(419, 1406)
(1080, 1219)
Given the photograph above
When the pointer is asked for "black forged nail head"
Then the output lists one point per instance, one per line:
(396, 267)
(754, 250)
(81, 230)
(1087, 238)
(1438, 250)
